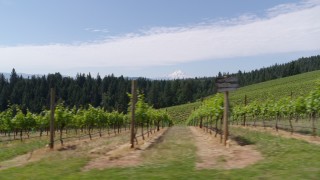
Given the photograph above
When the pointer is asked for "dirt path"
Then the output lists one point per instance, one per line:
(212, 154)
(122, 155)
(286, 134)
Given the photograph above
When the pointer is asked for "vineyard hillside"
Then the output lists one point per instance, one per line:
(296, 85)
(180, 113)
(275, 89)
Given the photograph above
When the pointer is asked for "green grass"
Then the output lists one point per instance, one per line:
(13, 148)
(174, 158)
(10, 149)
(302, 126)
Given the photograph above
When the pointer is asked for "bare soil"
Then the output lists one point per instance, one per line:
(122, 155)
(286, 134)
(212, 154)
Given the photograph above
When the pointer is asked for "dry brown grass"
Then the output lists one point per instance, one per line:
(122, 155)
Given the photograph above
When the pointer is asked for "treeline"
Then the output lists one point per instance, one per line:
(302, 65)
(109, 92)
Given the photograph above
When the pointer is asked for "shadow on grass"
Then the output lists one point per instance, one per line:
(242, 141)
(69, 147)
(300, 131)
(306, 132)
(158, 140)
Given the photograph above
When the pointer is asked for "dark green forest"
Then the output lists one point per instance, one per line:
(302, 65)
(110, 92)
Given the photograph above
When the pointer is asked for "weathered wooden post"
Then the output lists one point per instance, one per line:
(314, 129)
(52, 107)
(133, 103)
(225, 85)
(221, 133)
(225, 118)
(245, 116)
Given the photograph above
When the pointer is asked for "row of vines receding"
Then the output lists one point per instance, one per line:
(78, 122)
(295, 115)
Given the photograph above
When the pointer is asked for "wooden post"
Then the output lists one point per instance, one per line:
(211, 124)
(207, 123)
(277, 120)
(290, 121)
(221, 131)
(244, 116)
(225, 85)
(314, 129)
(225, 118)
(133, 103)
(52, 107)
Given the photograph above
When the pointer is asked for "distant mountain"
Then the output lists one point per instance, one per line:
(178, 74)
(7, 75)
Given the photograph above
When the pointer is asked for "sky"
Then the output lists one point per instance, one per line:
(152, 38)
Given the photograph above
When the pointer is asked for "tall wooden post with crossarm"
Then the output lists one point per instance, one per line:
(226, 84)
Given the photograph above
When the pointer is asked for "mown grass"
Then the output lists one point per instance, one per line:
(302, 126)
(175, 156)
(11, 149)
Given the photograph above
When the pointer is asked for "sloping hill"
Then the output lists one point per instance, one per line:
(274, 89)
(180, 113)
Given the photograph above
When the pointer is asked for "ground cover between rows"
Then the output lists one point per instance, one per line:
(175, 158)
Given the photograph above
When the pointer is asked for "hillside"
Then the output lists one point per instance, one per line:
(274, 89)
(181, 112)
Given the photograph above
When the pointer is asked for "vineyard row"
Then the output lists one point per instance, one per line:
(293, 111)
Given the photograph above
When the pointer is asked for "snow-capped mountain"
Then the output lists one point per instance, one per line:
(178, 74)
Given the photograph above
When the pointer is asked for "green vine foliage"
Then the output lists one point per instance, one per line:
(302, 106)
(14, 120)
(210, 108)
(284, 107)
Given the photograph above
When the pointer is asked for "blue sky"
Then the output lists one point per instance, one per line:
(153, 38)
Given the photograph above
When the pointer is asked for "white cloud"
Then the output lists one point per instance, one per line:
(94, 30)
(287, 28)
(291, 7)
